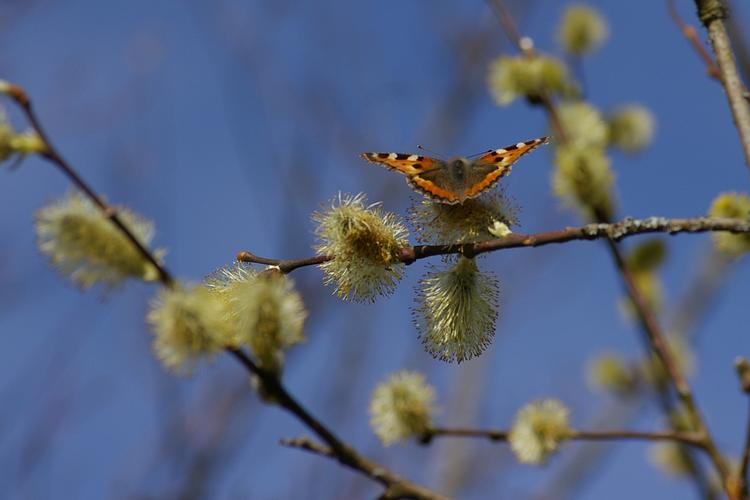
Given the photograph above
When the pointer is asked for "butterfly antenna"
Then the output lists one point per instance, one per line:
(480, 153)
(433, 153)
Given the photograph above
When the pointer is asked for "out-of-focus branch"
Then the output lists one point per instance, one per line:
(370, 469)
(739, 41)
(689, 438)
(743, 372)
(395, 486)
(52, 155)
(658, 342)
(614, 231)
(701, 294)
(692, 37)
(653, 335)
(712, 14)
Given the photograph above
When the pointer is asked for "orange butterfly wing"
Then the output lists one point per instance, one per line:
(405, 163)
(414, 165)
(502, 159)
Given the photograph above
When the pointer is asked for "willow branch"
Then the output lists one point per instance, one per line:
(744, 462)
(743, 372)
(654, 337)
(657, 340)
(691, 34)
(396, 486)
(712, 14)
(52, 155)
(688, 438)
(615, 231)
(370, 469)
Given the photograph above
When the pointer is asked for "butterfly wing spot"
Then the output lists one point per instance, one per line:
(408, 164)
(502, 159)
(509, 154)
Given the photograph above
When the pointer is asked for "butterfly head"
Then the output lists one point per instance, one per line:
(458, 166)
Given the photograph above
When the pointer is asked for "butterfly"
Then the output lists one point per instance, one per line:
(459, 179)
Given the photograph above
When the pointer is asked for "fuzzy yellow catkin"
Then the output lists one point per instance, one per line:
(610, 373)
(584, 126)
(189, 324)
(402, 407)
(682, 355)
(511, 78)
(647, 255)
(366, 245)
(13, 143)
(631, 128)
(670, 458)
(7, 135)
(538, 430)
(266, 312)
(456, 311)
(470, 222)
(583, 178)
(85, 246)
(735, 206)
(582, 30)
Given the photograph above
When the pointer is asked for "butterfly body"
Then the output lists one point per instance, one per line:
(458, 179)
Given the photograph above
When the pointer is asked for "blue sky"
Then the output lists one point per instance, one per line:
(228, 123)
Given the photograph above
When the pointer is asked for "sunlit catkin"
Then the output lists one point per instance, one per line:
(538, 430)
(189, 323)
(402, 407)
(14, 144)
(85, 246)
(610, 373)
(472, 221)
(456, 311)
(631, 128)
(582, 30)
(365, 243)
(734, 206)
(511, 78)
(266, 312)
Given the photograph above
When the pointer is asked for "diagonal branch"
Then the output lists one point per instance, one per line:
(692, 36)
(653, 335)
(396, 486)
(51, 154)
(743, 372)
(370, 469)
(615, 231)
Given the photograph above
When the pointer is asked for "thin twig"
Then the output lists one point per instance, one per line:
(653, 334)
(395, 486)
(657, 340)
(509, 27)
(51, 154)
(744, 462)
(689, 312)
(372, 470)
(615, 231)
(688, 438)
(743, 372)
(692, 36)
(712, 14)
